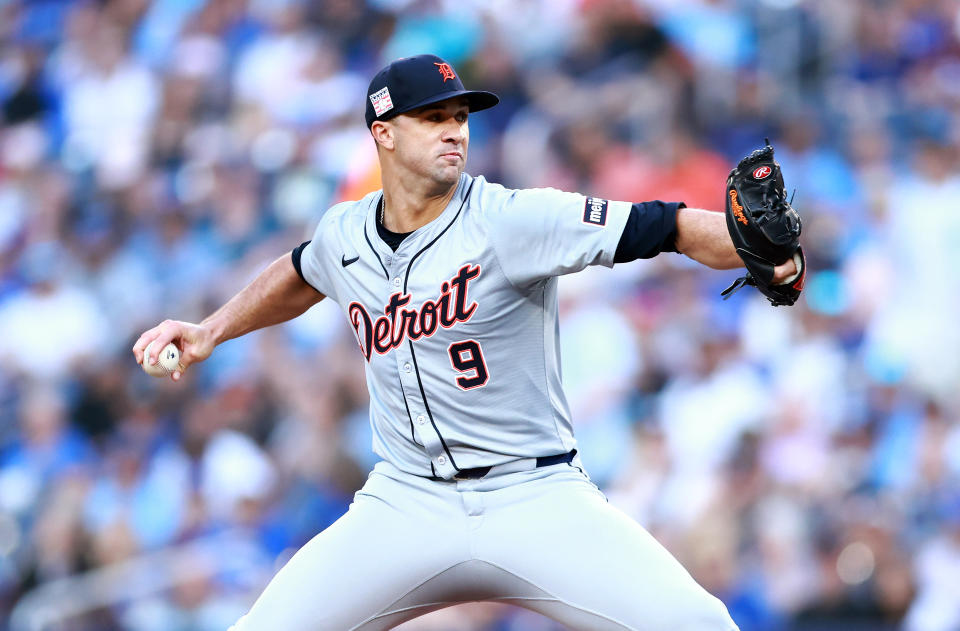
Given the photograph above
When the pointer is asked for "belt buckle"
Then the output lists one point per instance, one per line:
(472, 474)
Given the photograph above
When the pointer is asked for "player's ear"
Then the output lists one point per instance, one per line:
(382, 134)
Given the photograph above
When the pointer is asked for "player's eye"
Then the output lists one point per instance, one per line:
(461, 117)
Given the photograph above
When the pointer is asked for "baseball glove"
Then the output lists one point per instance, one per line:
(764, 227)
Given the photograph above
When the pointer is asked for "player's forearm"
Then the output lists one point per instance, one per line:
(702, 235)
(278, 294)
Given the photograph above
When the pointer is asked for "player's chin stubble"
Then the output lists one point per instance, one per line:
(446, 175)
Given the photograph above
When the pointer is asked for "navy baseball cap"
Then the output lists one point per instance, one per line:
(412, 82)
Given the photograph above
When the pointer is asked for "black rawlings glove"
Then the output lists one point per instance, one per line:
(764, 227)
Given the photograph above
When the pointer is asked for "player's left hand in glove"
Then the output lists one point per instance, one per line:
(764, 227)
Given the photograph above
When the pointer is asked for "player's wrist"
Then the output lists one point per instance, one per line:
(214, 329)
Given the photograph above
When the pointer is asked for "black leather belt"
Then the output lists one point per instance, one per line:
(544, 461)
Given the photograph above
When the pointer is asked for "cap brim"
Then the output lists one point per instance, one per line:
(476, 99)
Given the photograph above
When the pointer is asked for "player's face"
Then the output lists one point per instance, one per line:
(432, 141)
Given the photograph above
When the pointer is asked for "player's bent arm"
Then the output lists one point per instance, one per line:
(278, 294)
(702, 235)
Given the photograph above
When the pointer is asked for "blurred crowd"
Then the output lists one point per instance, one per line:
(803, 463)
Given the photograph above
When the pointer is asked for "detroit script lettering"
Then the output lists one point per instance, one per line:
(387, 331)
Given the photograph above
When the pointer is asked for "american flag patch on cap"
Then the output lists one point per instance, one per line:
(381, 101)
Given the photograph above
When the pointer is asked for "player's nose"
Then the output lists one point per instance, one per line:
(452, 131)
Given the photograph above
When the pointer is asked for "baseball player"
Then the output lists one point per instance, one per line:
(450, 284)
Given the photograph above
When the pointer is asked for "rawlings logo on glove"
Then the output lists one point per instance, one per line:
(737, 209)
(764, 227)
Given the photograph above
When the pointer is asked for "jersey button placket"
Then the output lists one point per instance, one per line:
(424, 430)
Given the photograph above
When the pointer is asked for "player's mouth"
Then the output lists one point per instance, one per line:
(452, 155)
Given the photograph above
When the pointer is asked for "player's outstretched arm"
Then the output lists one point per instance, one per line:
(702, 235)
(278, 294)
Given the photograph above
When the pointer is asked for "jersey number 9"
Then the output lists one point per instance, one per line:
(466, 357)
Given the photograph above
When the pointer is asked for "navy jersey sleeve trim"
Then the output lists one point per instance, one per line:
(651, 229)
(296, 254)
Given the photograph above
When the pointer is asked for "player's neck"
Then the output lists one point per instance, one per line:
(405, 210)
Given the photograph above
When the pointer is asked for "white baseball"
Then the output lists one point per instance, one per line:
(167, 361)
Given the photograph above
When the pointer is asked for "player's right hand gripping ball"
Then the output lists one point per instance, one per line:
(168, 360)
(764, 227)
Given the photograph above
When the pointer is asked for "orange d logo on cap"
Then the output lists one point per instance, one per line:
(445, 71)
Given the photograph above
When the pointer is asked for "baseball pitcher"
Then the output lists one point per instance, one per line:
(450, 284)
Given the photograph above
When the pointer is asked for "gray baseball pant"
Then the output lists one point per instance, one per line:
(545, 539)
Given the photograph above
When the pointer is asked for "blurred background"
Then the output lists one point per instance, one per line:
(802, 462)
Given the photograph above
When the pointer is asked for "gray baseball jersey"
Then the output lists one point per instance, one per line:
(459, 331)
(459, 326)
